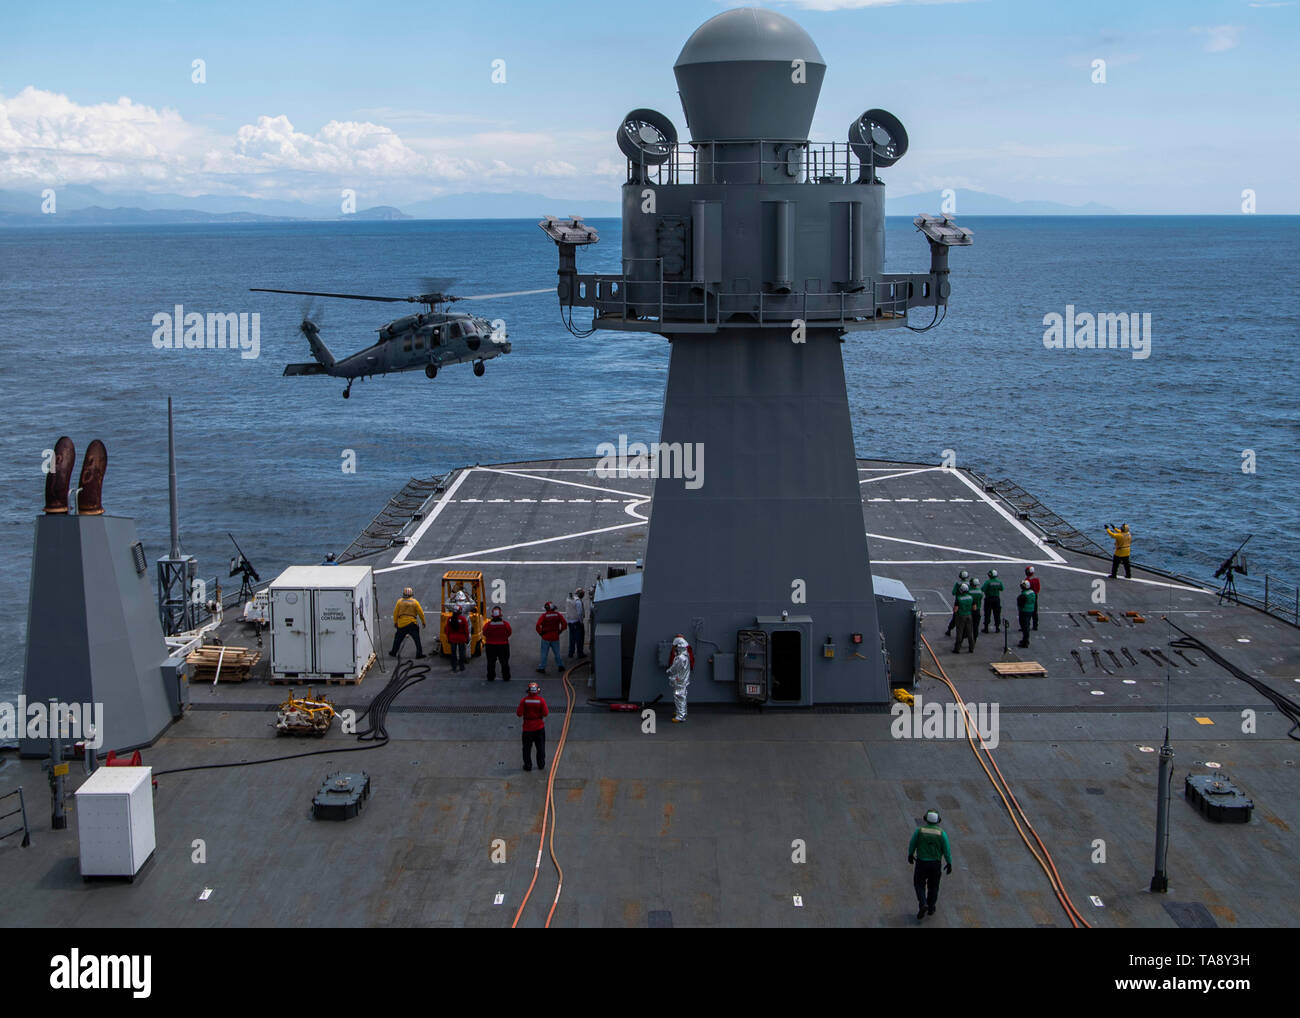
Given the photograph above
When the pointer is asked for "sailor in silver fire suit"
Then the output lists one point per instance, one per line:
(679, 676)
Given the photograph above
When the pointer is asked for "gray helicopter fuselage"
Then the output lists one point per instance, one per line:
(417, 341)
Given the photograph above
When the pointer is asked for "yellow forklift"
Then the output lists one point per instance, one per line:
(463, 588)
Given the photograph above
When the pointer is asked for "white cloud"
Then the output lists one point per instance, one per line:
(49, 139)
(1219, 37)
(339, 147)
(608, 167)
(554, 168)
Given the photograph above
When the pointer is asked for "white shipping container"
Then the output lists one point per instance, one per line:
(324, 622)
(115, 821)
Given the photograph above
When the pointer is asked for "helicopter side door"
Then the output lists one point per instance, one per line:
(453, 334)
(393, 357)
(418, 353)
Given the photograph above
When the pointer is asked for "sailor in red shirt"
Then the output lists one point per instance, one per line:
(496, 644)
(532, 708)
(550, 624)
(1035, 584)
(457, 639)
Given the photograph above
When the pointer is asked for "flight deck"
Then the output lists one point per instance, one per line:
(699, 824)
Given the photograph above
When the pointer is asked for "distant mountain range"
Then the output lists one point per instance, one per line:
(81, 205)
(980, 203)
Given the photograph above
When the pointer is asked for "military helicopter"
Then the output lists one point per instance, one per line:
(431, 339)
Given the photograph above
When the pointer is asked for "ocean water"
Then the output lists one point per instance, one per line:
(1097, 435)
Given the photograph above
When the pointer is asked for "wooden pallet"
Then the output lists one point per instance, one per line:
(235, 663)
(1018, 669)
(322, 680)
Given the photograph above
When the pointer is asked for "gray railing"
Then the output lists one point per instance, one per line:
(758, 160)
(402, 510)
(1281, 599)
(648, 296)
(21, 811)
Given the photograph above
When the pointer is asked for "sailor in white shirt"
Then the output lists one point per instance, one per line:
(575, 610)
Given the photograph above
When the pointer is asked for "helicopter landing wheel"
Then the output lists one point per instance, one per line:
(347, 393)
(431, 370)
(479, 368)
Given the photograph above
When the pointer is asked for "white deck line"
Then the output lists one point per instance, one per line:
(959, 562)
(904, 473)
(984, 496)
(506, 562)
(557, 480)
(544, 540)
(562, 470)
(1154, 583)
(428, 520)
(633, 473)
(981, 555)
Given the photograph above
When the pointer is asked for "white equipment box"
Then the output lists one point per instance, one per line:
(324, 623)
(115, 821)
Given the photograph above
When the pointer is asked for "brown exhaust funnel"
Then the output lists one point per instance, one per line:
(60, 476)
(93, 466)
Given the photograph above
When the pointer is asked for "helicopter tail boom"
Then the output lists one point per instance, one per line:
(325, 359)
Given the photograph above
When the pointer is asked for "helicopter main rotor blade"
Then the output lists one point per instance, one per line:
(513, 293)
(437, 284)
(343, 296)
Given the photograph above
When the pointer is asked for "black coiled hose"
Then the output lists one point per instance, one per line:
(1285, 705)
(405, 675)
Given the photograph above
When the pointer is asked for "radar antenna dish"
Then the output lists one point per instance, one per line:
(878, 138)
(647, 137)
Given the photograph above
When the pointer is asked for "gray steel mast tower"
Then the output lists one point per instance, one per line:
(753, 252)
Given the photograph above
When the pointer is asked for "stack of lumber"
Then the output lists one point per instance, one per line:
(1012, 669)
(236, 663)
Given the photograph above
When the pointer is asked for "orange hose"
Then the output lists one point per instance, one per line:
(1001, 795)
(570, 695)
(1045, 859)
(548, 808)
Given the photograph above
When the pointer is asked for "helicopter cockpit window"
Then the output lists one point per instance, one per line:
(454, 330)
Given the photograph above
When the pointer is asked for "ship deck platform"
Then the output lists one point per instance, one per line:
(701, 824)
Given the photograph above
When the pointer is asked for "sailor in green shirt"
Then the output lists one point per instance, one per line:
(964, 618)
(962, 577)
(993, 601)
(929, 844)
(1025, 604)
(977, 597)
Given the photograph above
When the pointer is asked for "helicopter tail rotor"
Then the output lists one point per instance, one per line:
(313, 313)
(319, 350)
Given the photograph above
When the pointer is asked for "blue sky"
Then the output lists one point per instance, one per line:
(396, 100)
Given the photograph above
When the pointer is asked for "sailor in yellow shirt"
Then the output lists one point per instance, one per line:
(405, 615)
(1123, 542)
